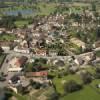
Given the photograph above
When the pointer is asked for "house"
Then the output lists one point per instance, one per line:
(52, 53)
(48, 40)
(96, 44)
(5, 45)
(21, 49)
(19, 80)
(75, 24)
(16, 64)
(41, 52)
(59, 63)
(14, 80)
(90, 57)
(37, 74)
(79, 61)
(78, 42)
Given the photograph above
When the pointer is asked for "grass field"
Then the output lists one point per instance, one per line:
(90, 92)
(59, 81)
(21, 23)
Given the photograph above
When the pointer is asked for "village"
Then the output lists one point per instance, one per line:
(38, 59)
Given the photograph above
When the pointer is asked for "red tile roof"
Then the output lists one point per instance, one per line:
(37, 74)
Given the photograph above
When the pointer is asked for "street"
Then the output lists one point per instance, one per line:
(11, 54)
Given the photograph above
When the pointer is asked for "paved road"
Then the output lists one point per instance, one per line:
(5, 65)
(12, 53)
(48, 57)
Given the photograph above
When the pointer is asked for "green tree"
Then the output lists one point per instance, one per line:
(86, 78)
(93, 7)
(72, 86)
(53, 96)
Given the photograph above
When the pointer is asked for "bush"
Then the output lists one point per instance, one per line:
(86, 77)
(72, 86)
(97, 75)
(54, 96)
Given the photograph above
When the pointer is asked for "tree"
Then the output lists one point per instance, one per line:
(98, 32)
(54, 96)
(93, 7)
(22, 90)
(72, 86)
(19, 15)
(2, 74)
(1, 50)
(37, 85)
(31, 82)
(89, 47)
(62, 52)
(8, 22)
(86, 77)
(97, 75)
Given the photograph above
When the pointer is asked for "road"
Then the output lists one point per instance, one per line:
(47, 57)
(4, 67)
(13, 53)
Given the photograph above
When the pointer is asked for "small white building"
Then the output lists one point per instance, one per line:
(5, 48)
(21, 50)
(14, 65)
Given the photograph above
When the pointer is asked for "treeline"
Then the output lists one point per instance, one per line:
(9, 21)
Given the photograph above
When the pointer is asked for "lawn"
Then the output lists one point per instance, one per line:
(21, 23)
(7, 37)
(90, 92)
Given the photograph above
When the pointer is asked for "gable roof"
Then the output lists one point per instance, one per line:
(37, 74)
